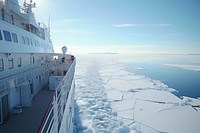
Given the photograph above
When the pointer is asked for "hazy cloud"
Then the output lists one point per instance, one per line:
(73, 31)
(140, 35)
(141, 25)
(63, 22)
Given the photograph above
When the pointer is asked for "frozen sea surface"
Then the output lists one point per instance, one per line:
(92, 106)
(109, 99)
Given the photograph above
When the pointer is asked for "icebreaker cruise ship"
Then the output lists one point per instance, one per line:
(36, 84)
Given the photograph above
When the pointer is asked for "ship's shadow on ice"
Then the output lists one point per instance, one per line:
(78, 127)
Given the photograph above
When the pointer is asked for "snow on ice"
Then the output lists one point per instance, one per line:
(109, 99)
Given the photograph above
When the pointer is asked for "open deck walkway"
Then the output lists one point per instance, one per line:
(29, 120)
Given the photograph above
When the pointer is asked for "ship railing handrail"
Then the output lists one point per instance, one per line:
(23, 74)
(42, 25)
(50, 125)
(15, 76)
(58, 110)
(36, 66)
(56, 98)
(47, 110)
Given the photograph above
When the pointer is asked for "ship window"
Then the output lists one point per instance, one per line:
(31, 42)
(36, 43)
(27, 40)
(1, 36)
(14, 37)
(23, 40)
(19, 62)
(30, 60)
(1, 65)
(2, 14)
(11, 63)
(7, 35)
(33, 59)
(12, 18)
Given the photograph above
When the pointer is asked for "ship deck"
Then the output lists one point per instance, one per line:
(28, 121)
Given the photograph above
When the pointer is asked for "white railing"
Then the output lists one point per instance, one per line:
(27, 74)
(61, 101)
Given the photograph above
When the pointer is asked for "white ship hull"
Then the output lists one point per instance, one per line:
(28, 65)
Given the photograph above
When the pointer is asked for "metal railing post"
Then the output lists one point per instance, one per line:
(55, 114)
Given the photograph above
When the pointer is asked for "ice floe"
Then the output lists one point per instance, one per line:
(111, 100)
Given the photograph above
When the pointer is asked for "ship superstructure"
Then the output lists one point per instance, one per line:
(19, 31)
(28, 65)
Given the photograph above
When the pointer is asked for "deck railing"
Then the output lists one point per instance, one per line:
(61, 101)
(20, 77)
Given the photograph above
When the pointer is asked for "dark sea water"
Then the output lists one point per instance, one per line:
(186, 82)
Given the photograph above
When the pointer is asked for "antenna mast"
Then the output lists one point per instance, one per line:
(29, 6)
(49, 27)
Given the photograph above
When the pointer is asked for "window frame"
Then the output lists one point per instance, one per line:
(23, 40)
(7, 36)
(19, 62)
(10, 63)
(1, 37)
(26, 40)
(1, 64)
(14, 37)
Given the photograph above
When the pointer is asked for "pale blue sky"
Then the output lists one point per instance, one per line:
(123, 26)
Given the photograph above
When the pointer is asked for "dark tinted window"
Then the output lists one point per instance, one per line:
(7, 35)
(1, 65)
(0, 36)
(19, 62)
